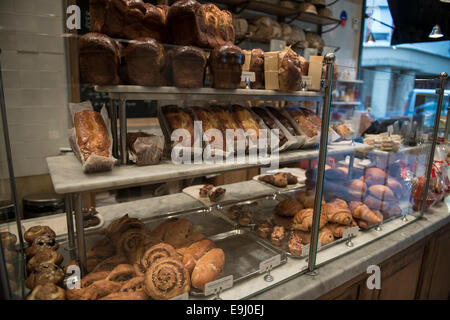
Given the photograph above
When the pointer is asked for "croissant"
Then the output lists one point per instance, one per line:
(382, 192)
(303, 220)
(338, 212)
(326, 236)
(338, 229)
(363, 212)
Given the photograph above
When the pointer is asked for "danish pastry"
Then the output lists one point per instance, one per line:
(47, 291)
(36, 231)
(159, 251)
(288, 207)
(49, 256)
(43, 242)
(45, 273)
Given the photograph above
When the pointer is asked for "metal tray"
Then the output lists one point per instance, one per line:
(244, 251)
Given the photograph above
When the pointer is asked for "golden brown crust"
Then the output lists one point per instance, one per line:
(325, 236)
(208, 268)
(188, 65)
(92, 277)
(295, 244)
(92, 135)
(288, 207)
(36, 231)
(290, 72)
(303, 220)
(166, 278)
(47, 291)
(286, 222)
(277, 235)
(44, 255)
(100, 289)
(122, 273)
(157, 252)
(177, 118)
(133, 243)
(226, 66)
(45, 273)
(8, 239)
(382, 192)
(43, 242)
(110, 263)
(195, 251)
(178, 232)
(245, 119)
(115, 229)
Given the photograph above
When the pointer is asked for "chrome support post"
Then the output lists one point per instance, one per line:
(350, 166)
(123, 131)
(440, 92)
(329, 60)
(70, 229)
(113, 118)
(81, 244)
(447, 123)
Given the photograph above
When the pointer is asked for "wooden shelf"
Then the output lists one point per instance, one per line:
(280, 11)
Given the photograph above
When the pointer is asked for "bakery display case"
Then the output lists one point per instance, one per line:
(322, 183)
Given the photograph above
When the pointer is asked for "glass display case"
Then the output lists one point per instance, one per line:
(324, 174)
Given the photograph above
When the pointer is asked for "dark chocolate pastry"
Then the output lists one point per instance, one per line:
(217, 194)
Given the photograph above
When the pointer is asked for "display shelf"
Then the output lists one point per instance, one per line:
(68, 177)
(344, 103)
(279, 11)
(123, 92)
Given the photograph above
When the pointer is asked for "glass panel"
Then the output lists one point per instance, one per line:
(377, 188)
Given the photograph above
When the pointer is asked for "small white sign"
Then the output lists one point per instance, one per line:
(277, 45)
(269, 264)
(250, 75)
(350, 232)
(184, 296)
(305, 250)
(218, 285)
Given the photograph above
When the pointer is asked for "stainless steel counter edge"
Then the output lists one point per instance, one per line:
(345, 268)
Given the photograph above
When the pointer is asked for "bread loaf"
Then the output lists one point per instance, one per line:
(92, 135)
(146, 148)
(246, 120)
(177, 118)
(195, 251)
(271, 124)
(188, 67)
(208, 268)
(290, 71)
(203, 25)
(99, 59)
(257, 66)
(226, 66)
(145, 60)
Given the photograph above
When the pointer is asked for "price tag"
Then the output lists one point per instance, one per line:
(277, 45)
(250, 75)
(350, 232)
(184, 296)
(270, 263)
(218, 285)
(305, 250)
(307, 80)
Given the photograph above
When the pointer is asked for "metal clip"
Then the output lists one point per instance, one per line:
(268, 277)
(349, 242)
(247, 82)
(217, 294)
(378, 228)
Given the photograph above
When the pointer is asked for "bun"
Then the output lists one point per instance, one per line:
(195, 251)
(99, 59)
(208, 268)
(36, 231)
(43, 242)
(226, 66)
(145, 60)
(44, 256)
(188, 65)
(45, 273)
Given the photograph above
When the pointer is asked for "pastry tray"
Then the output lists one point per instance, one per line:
(244, 251)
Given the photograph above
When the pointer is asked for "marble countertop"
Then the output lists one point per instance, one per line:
(339, 271)
(68, 177)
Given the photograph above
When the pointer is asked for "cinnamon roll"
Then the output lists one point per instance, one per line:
(37, 231)
(166, 279)
(47, 291)
(121, 273)
(45, 255)
(159, 251)
(132, 244)
(45, 273)
(139, 269)
(42, 242)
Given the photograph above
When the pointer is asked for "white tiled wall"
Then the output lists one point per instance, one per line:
(35, 86)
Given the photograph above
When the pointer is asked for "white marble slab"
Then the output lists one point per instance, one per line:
(68, 177)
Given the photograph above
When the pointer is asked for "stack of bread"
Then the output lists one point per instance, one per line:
(45, 276)
(9, 240)
(132, 262)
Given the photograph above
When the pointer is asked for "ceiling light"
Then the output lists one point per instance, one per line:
(436, 32)
(445, 1)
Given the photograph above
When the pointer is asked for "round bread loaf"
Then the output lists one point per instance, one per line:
(208, 268)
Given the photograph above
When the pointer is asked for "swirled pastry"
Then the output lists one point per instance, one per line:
(178, 232)
(166, 278)
(133, 242)
(47, 291)
(36, 231)
(45, 255)
(45, 273)
(119, 226)
(43, 242)
(159, 251)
